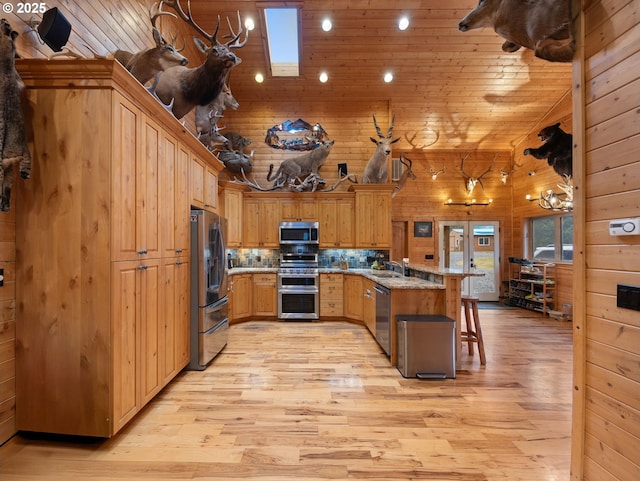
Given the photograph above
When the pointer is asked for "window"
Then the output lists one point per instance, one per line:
(484, 241)
(283, 41)
(548, 232)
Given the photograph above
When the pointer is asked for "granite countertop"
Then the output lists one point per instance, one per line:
(445, 272)
(379, 276)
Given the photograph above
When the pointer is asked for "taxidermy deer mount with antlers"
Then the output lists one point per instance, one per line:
(406, 175)
(145, 64)
(471, 182)
(377, 170)
(199, 86)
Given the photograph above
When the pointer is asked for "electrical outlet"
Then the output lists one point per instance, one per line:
(428, 257)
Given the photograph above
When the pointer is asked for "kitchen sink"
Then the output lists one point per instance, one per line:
(385, 274)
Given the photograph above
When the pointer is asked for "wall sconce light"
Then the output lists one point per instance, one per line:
(54, 29)
(469, 203)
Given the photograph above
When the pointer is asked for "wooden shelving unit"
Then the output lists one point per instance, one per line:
(532, 286)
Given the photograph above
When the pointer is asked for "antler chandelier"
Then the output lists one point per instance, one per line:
(559, 202)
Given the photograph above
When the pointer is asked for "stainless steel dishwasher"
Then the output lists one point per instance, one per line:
(383, 317)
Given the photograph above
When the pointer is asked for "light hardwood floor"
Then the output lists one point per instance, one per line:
(318, 401)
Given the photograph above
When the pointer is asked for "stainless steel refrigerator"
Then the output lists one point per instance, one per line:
(209, 302)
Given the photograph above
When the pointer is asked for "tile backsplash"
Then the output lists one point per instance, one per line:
(356, 258)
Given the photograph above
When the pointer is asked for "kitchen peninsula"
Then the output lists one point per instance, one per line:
(348, 293)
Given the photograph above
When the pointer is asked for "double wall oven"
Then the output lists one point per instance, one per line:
(298, 277)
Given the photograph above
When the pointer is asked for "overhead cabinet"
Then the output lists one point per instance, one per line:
(102, 234)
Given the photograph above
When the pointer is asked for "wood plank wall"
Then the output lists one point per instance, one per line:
(533, 176)
(7, 325)
(606, 434)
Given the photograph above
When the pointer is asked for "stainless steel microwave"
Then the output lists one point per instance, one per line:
(299, 233)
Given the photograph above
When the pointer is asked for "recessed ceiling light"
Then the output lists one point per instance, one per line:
(388, 77)
(327, 25)
(324, 77)
(249, 23)
(259, 78)
(403, 23)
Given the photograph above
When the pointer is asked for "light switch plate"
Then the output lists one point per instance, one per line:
(628, 297)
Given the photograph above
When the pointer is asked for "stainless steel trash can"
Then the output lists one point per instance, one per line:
(426, 346)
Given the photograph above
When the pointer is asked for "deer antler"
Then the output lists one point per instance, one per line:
(155, 11)
(472, 181)
(254, 184)
(188, 17)
(375, 122)
(488, 170)
(390, 132)
(436, 173)
(462, 165)
(233, 43)
(350, 177)
(406, 175)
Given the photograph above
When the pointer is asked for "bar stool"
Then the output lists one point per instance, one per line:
(473, 332)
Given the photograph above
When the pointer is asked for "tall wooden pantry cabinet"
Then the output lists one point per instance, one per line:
(102, 234)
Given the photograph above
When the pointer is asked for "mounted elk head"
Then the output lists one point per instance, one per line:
(200, 85)
(471, 182)
(406, 175)
(377, 171)
(436, 173)
(146, 64)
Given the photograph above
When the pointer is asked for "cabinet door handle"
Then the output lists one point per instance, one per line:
(178, 251)
(143, 251)
(179, 263)
(143, 268)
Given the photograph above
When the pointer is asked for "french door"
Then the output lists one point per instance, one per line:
(473, 246)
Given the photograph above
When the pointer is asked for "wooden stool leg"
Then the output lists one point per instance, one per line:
(478, 334)
(468, 334)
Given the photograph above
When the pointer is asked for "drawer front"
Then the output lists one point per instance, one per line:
(331, 308)
(265, 278)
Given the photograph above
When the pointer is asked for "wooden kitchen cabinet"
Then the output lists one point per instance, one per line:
(331, 295)
(337, 222)
(265, 300)
(233, 212)
(111, 324)
(260, 222)
(241, 294)
(136, 164)
(174, 319)
(373, 215)
(298, 209)
(174, 200)
(353, 297)
(204, 185)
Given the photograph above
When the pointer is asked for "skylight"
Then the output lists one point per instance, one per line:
(282, 41)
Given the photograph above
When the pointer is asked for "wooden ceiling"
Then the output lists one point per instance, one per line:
(451, 90)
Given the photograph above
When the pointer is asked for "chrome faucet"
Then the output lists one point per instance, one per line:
(395, 264)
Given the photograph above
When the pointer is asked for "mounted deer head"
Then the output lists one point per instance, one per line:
(504, 175)
(436, 173)
(406, 175)
(471, 182)
(146, 64)
(377, 171)
(199, 86)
